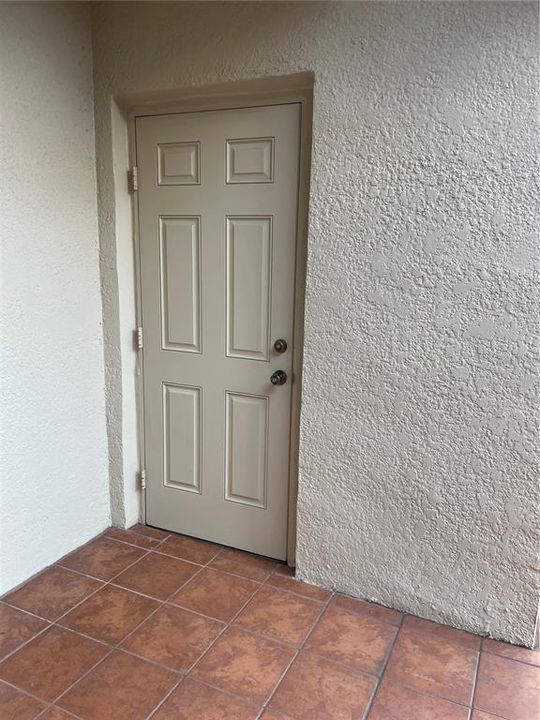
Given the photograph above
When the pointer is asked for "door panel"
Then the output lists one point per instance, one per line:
(217, 205)
(180, 265)
(249, 262)
(246, 449)
(182, 437)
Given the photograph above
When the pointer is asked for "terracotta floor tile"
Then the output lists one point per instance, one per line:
(318, 689)
(15, 705)
(193, 701)
(53, 592)
(362, 607)
(188, 548)
(283, 582)
(460, 637)
(150, 532)
(508, 688)
(352, 639)
(512, 651)
(110, 614)
(216, 594)
(133, 538)
(174, 637)
(54, 713)
(426, 663)
(51, 662)
(285, 570)
(157, 575)
(252, 567)
(244, 664)
(16, 628)
(122, 687)
(102, 558)
(398, 701)
(279, 615)
(429, 675)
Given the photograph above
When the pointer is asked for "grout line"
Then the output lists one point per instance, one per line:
(200, 614)
(236, 575)
(426, 632)
(175, 557)
(114, 648)
(51, 567)
(225, 627)
(296, 655)
(154, 597)
(475, 682)
(118, 647)
(349, 668)
(132, 544)
(107, 582)
(26, 612)
(84, 635)
(511, 659)
(382, 670)
(78, 572)
(51, 706)
(214, 641)
(30, 695)
(167, 696)
(163, 551)
(369, 618)
(161, 604)
(225, 691)
(125, 651)
(135, 529)
(94, 666)
(87, 597)
(137, 592)
(20, 647)
(297, 594)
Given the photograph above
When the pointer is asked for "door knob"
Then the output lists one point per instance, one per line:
(278, 378)
(280, 346)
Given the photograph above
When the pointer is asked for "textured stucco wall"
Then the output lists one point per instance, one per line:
(418, 471)
(53, 468)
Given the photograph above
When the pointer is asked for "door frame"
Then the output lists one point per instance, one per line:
(296, 89)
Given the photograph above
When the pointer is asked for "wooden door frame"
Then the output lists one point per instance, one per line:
(244, 94)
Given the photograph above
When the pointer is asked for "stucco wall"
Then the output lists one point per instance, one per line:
(418, 481)
(53, 471)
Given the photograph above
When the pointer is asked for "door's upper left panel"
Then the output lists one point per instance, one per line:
(179, 163)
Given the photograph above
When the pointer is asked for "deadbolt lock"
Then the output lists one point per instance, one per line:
(280, 346)
(278, 378)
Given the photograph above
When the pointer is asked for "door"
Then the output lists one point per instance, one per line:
(217, 223)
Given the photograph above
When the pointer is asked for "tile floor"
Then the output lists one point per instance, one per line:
(144, 624)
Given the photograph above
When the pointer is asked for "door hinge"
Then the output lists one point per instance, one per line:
(133, 179)
(138, 338)
(143, 479)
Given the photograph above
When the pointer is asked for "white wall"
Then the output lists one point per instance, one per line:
(418, 441)
(54, 488)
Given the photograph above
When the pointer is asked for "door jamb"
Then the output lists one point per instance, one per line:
(272, 91)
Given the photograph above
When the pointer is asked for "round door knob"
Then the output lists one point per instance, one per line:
(280, 346)
(278, 378)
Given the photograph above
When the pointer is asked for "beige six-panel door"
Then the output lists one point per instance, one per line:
(217, 203)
